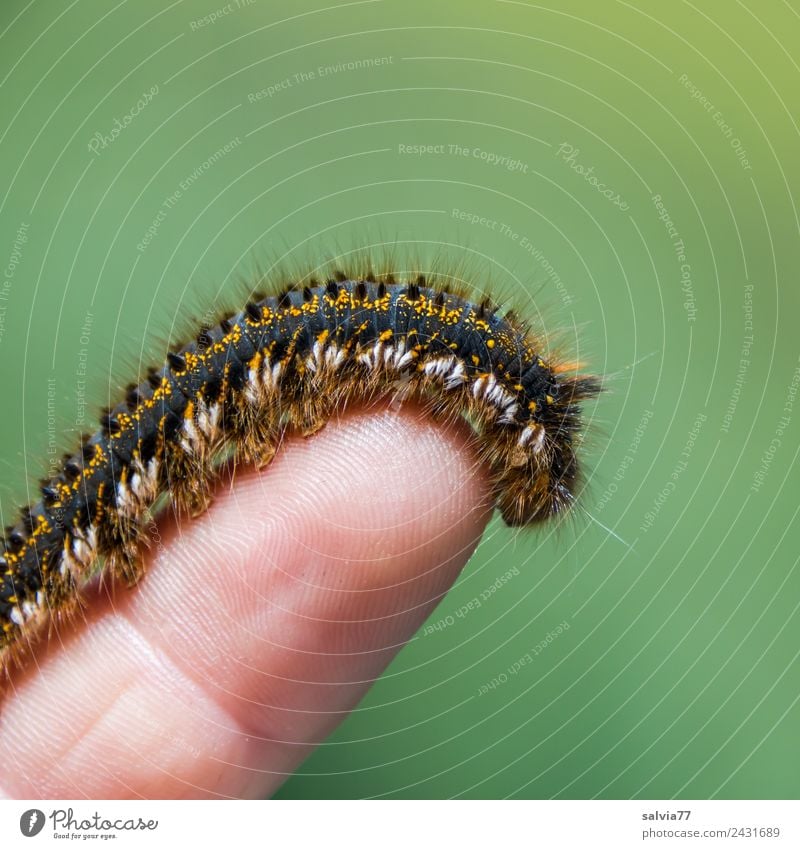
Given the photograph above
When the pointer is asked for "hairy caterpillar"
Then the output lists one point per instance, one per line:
(290, 361)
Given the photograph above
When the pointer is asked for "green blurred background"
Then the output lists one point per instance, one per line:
(648, 202)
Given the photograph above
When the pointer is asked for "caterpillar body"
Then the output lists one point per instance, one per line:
(290, 361)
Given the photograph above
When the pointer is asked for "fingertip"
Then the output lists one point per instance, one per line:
(279, 607)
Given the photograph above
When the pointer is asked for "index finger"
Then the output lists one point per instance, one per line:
(259, 626)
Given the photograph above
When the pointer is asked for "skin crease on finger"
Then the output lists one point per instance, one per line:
(258, 626)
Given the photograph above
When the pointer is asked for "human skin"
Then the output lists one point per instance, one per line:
(258, 626)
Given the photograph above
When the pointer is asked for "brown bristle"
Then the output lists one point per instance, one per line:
(327, 347)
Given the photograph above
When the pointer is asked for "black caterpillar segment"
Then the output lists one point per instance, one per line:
(291, 361)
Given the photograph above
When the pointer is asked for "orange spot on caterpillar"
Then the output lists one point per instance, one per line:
(565, 367)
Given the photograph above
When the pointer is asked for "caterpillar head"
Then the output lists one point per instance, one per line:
(538, 470)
